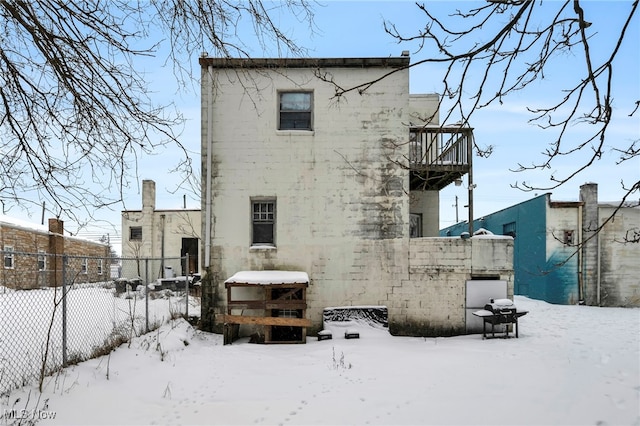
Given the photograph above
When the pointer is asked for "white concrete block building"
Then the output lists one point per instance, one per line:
(297, 179)
(164, 235)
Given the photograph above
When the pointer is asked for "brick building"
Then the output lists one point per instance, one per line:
(33, 256)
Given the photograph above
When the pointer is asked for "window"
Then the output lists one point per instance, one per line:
(8, 257)
(84, 268)
(42, 261)
(135, 233)
(99, 266)
(509, 229)
(263, 221)
(415, 225)
(568, 237)
(295, 111)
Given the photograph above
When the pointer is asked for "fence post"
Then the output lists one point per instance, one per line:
(64, 310)
(146, 294)
(186, 287)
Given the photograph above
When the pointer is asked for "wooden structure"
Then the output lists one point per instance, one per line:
(439, 155)
(281, 298)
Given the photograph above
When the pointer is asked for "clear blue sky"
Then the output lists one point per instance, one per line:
(355, 29)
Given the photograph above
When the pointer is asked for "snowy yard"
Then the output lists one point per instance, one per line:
(572, 365)
(95, 314)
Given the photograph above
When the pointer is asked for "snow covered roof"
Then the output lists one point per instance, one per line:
(483, 233)
(268, 277)
(13, 222)
(21, 223)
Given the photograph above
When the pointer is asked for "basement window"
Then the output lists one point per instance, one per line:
(295, 111)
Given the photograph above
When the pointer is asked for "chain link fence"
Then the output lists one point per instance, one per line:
(60, 310)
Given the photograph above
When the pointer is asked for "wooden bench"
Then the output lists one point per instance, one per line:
(245, 319)
(229, 321)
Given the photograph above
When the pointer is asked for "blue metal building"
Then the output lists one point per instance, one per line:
(570, 251)
(545, 259)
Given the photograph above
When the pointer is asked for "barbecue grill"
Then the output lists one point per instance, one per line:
(499, 311)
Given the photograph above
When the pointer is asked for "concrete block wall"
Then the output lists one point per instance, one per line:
(619, 283)
(342, 199)
(162, 230)
(590, 248)
(431, 301)
(341, 204)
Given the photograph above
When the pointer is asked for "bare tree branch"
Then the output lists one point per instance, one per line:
(75, 115)
(504, 46)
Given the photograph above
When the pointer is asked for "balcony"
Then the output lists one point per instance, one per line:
(438, 155)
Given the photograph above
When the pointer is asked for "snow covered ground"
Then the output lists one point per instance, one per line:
(95, 314)
(572, 365)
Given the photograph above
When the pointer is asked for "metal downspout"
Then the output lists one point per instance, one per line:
(598, 256)
(581, 297)
(207, 209)
(471, 184)
(162, 264)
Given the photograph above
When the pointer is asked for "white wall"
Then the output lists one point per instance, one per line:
(162, 230)
(427, 203)
(342, 210)
(559, 220)
(433, 298)
(423, 109)
(342, 194)
(619, 283)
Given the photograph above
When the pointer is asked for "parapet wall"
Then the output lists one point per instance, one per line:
(432, 301)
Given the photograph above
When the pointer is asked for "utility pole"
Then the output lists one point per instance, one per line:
(456, 206)
(470, 181)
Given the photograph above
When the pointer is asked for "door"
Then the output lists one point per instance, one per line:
(479, 293)
(190, 247)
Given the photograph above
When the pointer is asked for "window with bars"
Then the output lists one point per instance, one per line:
(295, 111)
(84, 268)
(263, 213)
(99, 266)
